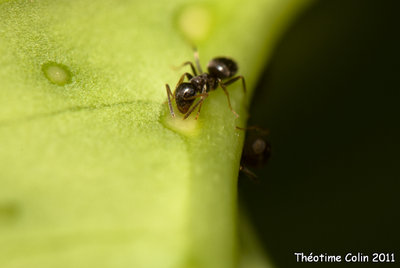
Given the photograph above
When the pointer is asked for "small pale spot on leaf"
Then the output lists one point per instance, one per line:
(57, 73)
(195, 22)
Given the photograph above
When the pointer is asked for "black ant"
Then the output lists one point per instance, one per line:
(199, 85)
(256, 150)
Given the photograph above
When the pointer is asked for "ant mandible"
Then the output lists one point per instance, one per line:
(199, 85)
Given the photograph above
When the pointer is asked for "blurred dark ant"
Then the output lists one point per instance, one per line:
(256, 150)
(200, 85)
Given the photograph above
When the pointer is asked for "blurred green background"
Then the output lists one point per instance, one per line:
(331, 100)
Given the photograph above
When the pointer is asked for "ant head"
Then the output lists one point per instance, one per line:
(184, 97)
(222, 67)
(256, 151)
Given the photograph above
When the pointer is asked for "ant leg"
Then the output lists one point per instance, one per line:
(248, 173)
(203, 95)
(169, 94)
(197, 96)
(229, 101)
(198, 111)
(188, 76)
(255, 128)
(192, 109)
(203, 92)
(200, 102)
(196, 59)
(234, 80)
(191, 66)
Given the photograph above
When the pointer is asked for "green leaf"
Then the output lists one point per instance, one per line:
(93, 170)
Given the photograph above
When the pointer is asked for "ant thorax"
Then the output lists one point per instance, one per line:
(199, 81)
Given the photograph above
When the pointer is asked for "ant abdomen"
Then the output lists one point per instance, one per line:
(184, 97)
(222, 67)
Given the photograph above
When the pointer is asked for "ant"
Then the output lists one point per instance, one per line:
(201, 84)
(256, 150)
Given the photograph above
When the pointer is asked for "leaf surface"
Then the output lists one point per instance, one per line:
(93, 170)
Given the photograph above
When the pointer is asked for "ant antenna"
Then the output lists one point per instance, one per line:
(196, 59)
